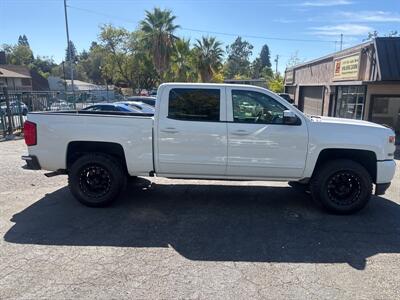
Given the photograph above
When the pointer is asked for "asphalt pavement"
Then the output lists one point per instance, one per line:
(190, 239)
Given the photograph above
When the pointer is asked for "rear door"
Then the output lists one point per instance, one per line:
(259, 144)
(192, 131)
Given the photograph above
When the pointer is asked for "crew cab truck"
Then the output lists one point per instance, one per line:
(214, 131)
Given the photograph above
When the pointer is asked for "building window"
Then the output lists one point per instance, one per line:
(350, 102)
(386, 110)
(194, 104)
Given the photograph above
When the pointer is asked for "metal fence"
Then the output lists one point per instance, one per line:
(14, 105)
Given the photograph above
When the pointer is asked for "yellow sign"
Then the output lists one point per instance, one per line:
(346, 68)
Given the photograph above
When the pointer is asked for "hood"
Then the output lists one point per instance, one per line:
(343, 121)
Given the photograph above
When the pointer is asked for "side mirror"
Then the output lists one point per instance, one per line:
(290, 118)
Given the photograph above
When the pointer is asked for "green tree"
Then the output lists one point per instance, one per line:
(118, 60)
(238, 62)
(18, 54)
(92, 63)
(276, 84)
(182, 67)
(145, 75)
(265, 57)
(158, 27)
(261, 66)
(208, 57)
(43, 65)
(23, 40)
(73, 56)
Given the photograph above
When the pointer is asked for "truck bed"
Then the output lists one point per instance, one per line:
(56, 130)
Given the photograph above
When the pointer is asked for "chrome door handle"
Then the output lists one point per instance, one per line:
(169, 130)
(240, 132)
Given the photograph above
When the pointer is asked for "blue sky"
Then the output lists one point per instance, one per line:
(311, 26)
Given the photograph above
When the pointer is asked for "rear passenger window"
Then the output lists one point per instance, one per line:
(194, 104)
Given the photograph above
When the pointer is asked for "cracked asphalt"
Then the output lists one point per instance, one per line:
(191, 240)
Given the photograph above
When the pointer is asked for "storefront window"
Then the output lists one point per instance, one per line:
(386, 110)
(350, 102)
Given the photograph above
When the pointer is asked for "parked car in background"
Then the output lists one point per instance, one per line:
(153, 93)
(142, 107)
(110, 107)
(148, 100)
(16, 107)
(61, 105)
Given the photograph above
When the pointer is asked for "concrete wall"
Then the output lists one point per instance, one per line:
(315, 74)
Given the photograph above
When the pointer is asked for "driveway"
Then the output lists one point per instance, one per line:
(190, 239)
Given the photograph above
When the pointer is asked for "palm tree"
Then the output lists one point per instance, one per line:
(182, 61)
(158, 28)
(208, 57)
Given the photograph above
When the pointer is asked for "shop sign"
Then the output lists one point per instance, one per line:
(346, 68)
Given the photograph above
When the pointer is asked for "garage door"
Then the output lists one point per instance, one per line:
(311, 99)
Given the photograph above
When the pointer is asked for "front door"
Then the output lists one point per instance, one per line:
(259, 144)
(192, 135)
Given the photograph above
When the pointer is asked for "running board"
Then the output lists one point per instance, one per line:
(56, 173)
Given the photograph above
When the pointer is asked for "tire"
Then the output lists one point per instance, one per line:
(341, 186)
(96, 180)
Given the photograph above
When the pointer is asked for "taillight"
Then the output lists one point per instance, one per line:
(392, 139)
(30, 133)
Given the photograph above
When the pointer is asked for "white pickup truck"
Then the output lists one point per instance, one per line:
(214, 131)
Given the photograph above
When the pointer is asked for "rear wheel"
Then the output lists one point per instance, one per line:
(96, 179)
(342, 186)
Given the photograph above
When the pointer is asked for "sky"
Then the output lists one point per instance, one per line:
(310, 28)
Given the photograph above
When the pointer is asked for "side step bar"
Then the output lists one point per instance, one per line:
(56, 173)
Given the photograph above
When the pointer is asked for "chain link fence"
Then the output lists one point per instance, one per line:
(14, 105)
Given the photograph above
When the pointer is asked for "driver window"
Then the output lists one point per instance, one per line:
(255, 107)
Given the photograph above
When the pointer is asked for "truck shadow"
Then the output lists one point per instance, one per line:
(215, 223)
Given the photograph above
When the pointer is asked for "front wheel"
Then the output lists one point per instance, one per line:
(341, 186)
(96, 179)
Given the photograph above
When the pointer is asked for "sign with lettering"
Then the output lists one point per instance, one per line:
(346, 68)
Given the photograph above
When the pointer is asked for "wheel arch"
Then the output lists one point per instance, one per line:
(366, 158)
(77, 149)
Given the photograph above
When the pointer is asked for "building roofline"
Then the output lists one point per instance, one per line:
(331, 55)
(5, 73)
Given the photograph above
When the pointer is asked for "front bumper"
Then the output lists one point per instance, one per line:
(380, 188)
(32, 162)
(384, 175)
(385, 171)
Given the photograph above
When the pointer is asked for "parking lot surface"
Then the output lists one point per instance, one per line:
(190, 239)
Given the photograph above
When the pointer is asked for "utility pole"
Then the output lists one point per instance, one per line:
(9, 114)
(69, 50)
(276, 63)
(341, 41)
(65, 82)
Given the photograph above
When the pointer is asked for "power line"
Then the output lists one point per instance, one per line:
(258, 36)
(212, 32)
